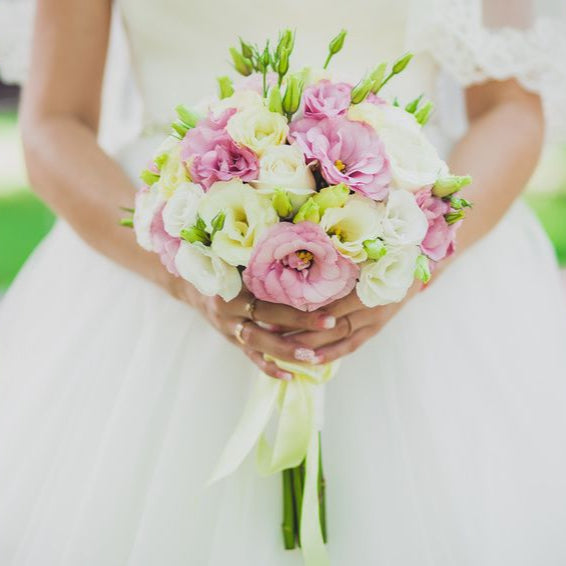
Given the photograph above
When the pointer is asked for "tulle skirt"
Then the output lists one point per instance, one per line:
(444, 439)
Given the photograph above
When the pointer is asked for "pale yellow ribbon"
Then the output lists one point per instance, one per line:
(296, 439)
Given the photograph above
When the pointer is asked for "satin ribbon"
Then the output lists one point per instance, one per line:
(296, 438)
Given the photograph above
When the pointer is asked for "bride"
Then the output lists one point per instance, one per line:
(119, 384)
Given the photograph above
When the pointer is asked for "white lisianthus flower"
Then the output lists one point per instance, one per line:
(148, 203)
(180, 212)
(404, 223)
(247, 215)
(284, 166)
(388, 279)
(351, 225)
(172, 173)
(200, 266)
(415, 162)
(258, 129)
(240, 100)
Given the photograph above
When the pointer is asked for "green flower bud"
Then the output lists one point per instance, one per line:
(377, 77)
(283, 63)
(187, 116)
(293, 92)
(195, 234)
(179, 129)
(423, 114)
(413, 106)
(400, 65)
(361, 90)
(264, 59)
(161, 160)
(309, 211)
(149, 177)
(449, 185)
(242, 64)
(274, 100)
(396, 102)
(422, 269)
(459, 203)
(453, 217)
(375, 249)
(337, 42)
(281, 203)
(246, 49)
(225, 86)
(127, 222)
(217, 223)
(334, 196)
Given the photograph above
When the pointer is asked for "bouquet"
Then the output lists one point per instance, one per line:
(303, 189)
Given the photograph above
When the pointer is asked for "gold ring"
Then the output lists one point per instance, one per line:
(238, 332)
(350, 329)
(250, 308)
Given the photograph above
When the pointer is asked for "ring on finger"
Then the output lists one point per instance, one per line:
(238, 330)
(250, 308)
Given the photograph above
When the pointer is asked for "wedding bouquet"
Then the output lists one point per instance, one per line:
(303, 189)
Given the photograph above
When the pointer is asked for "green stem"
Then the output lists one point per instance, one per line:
(327, 60)
(385, 81)
(321, 492)
(298, 481)
(265, 83)
(288, 525)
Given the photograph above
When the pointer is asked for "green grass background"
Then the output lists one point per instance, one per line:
(25, 220)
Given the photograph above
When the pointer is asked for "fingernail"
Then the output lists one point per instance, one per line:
(328, 322)
(285, 376)
(305, 355)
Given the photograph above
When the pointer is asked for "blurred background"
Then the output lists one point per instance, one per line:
(25, 220)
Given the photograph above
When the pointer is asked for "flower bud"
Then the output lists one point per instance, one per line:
(459, 203)
(187, 116)
(286, 41)
(246, 49)
(179, 129)
(453, 217)
(309, 211)
(422, 269)
(293, 92)
(332, 197)
(361, 90)
(337, 42)
(400, 65)
(449, 185)
(375, 249)
(242, 64)
(281, 203)
(274, 100)
(225, 86)
(413, 106)
(195, 234)
(377, 77)
(283, 62)
(127, 222)
(149, 177)
(264, 59)
(423, 114)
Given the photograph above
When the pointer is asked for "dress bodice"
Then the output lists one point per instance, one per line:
(179, 47)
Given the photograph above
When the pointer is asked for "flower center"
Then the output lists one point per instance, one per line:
(338, 232)
(300, 260)
(340, 165)
(304, 256)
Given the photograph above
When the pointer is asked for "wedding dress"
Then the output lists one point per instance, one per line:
(444, 434)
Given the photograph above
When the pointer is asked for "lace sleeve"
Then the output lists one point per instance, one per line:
(497, 39)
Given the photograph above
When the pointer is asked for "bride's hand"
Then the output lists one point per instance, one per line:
(233, 320)
(355, 325)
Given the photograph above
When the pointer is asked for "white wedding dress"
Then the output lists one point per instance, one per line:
(444, 438)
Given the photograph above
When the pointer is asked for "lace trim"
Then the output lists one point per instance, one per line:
(16, 29)
(473, 54)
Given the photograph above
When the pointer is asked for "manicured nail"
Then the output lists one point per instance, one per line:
(285, 376)
(328, 322)
(305, 355)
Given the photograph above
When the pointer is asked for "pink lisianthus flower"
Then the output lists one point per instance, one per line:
(326, 100)
(297, 265)
(440, 239)
(375, 99)
(211, 155)
(348, 152)
(165, 245)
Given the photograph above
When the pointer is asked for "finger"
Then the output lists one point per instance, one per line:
(269, 368)
(281, 347)
(347, 305)
(345, 327)
(344, 347)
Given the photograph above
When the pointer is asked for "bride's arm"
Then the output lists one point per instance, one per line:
(500, 150)
(69, 170)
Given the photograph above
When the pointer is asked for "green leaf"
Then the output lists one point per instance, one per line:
(180, 129)
(453, 217)
(412, 107)
(423, 114)
(127, 222)
(225, 86)
(149, 177)
(187, 116)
